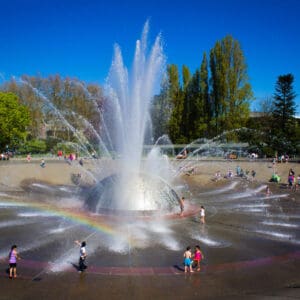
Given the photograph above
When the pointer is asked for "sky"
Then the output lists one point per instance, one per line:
(75, 38)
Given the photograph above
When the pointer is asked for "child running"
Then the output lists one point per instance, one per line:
(188, 260)
(198, 256)
(12, 257)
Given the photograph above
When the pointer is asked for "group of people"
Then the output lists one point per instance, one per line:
(14, 256)
(293, 181)
(182, 206)
(192, 259)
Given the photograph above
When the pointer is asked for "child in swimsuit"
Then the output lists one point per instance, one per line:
(188, 260)
(198, 256)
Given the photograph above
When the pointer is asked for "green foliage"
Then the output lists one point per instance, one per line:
(14, 119)
(33, 146)
(177, 102)
(66, 148)
(231, 91)
(284, 134)
(161, 111)
(284, 105)
(57, 106)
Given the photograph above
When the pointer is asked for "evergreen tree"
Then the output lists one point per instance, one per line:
(284, 104)
(284, 122)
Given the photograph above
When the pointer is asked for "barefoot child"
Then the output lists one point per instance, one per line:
(202, 215)
(188, 260)
(13, 256)
(82, 256)
(198, 256)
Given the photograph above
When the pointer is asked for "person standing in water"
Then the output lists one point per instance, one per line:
(82, 256)
(12, 258)
(181, 204)
(202, 214)
(188, 260)
(198, 256)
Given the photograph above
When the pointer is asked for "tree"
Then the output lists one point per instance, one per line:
(177, 102)
(284, 104)
(187, 105)
(161, 111)
(284, 122)
(231, 91)
(14, 118)
(204, 95)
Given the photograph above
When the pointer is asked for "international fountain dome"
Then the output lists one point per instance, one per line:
(143, 193)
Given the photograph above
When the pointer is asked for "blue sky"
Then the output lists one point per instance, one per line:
(75, 37)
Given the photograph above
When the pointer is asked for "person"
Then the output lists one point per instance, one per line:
(43, 164)
(291, 179)
(291, 172)
(198, 256)
(59, 154)
(238, 170)
(202, 214)
(274, 163)
(229, 174)
(182, 155)
(188, 260)
(217, 176)
(275, 178)
(268, 191)
(253, 173)
(28, 157)
(297, 185)
(181, 203)
(12, 258)
(82, 256)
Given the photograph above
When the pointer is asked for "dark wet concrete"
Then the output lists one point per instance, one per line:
(276, 281)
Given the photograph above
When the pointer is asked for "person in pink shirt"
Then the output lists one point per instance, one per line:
(198, 256)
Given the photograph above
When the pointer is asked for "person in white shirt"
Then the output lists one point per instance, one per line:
(82, 256)
(202, 215)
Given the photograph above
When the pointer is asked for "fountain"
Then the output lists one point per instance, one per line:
(45, 218)
(142, 183)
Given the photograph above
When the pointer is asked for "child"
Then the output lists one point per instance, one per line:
(82, 256)
(181, 204)
(297, 183)
(13, 256)
(43, 164)
(202, 215)
(198, 256)
(188, 260)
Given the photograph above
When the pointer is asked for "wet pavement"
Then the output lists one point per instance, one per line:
(251, 245)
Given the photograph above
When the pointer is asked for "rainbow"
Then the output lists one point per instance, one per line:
(93, 222)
